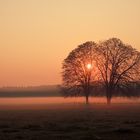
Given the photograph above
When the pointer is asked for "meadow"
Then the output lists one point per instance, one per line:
(56, 118)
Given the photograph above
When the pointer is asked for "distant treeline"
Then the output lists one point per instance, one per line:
(32, 91)
(132, 90)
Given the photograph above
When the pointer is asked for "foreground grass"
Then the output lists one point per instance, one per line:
(70, 122)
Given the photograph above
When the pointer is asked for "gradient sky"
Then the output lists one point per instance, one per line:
(36, 35)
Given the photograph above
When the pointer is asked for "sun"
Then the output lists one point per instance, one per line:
(89, 66)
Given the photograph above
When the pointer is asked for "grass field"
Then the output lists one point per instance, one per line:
(70, 121)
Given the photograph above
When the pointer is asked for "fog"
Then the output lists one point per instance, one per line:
(62, 100)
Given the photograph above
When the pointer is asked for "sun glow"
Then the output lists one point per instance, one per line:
(89, 66)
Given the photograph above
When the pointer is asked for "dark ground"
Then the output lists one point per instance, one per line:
(70, 122)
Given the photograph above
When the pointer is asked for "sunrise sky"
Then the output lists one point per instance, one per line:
(36, 35)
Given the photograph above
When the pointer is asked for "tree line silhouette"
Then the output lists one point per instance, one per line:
(109, 67)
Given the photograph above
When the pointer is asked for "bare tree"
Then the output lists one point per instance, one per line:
(78, 71)
(118, 65)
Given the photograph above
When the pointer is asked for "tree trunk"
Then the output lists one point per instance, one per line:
(108, 100)
(87, 102)
(108, 95)
(86, 90)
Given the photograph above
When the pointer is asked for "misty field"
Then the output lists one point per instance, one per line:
(69, 121)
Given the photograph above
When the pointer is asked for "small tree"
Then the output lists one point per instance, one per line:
(77, 72)
(118, 65)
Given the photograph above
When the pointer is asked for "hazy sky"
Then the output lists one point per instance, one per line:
(36, 35)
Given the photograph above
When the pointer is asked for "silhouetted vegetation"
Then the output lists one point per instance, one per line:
(77, 71)
(118, 66)
(34, 91)
(115, 69)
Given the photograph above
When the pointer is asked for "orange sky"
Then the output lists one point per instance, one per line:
(36, 35)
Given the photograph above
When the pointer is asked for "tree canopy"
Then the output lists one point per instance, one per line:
(118, 65)
(78, 71)
(111, 63)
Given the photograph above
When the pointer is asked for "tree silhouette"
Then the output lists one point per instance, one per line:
(118, 65)
(111, 64)
(77, 72)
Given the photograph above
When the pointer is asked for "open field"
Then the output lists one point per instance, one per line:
(70, 121)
